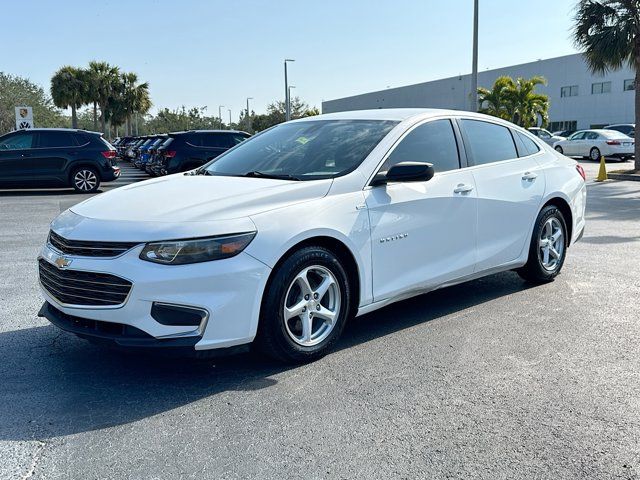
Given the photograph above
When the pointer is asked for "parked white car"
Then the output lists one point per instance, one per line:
(284, 237)
(595, 143)
(545, 135)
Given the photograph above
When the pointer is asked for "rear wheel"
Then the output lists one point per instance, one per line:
(85, 180)
(595, 154)
(305, 306)
(559, 149)
(548, 247)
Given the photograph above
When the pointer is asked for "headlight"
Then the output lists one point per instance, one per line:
(180, 252)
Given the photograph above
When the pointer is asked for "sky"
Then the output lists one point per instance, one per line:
(211, 53)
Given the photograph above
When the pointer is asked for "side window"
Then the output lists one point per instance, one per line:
(528, 145)
(217, 140)
(433, 142)
(592, 136)
(489, 142)
(577, 136)
(20, 141)
(56, 139)
(543, 134)
(236, 139)
(81, 139)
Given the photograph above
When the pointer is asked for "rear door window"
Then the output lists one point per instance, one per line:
(488, 142)
(527, 145)
(54, 139)
(217, 140)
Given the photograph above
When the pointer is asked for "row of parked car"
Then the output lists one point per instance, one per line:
(168, 153)
(614, 141)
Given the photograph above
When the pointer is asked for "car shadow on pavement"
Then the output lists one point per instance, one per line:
(53, 384)
(41, 193)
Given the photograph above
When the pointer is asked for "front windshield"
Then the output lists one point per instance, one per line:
(306, 150)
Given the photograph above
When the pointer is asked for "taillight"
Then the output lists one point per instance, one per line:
(613, 142)
(109, 154)
(170, 153)
(581, 172)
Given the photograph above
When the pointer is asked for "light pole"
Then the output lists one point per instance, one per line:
(474, 69)
(229, 118)
(287, 106)
(220, 115)
(289, 94)
(248, 117)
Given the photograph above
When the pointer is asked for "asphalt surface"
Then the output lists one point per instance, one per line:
(492, 379)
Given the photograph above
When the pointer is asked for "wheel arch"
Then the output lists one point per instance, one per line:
(564, 207)
(340, 249)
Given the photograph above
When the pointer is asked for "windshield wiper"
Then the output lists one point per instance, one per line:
(202, 171)
(276, 176)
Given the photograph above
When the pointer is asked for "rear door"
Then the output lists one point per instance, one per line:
(215, 143)
(53, 153)
(575, 144)
(16, 165)
(509, 186)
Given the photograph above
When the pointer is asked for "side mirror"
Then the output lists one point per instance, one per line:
(405, 172)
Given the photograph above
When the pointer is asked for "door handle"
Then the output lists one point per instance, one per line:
(462, 188)
(25, 154)
(529, 176)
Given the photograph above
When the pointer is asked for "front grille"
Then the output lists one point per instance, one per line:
(85, 248)
(75, 287)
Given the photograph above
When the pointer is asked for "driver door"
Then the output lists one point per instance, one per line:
(575, 144)
(423, 233)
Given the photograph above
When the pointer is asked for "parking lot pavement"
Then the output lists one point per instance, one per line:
(490, 379)
(592, 168)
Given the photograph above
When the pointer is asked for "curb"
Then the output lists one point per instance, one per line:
(624, 176)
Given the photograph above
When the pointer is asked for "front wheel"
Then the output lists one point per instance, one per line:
(85, 180)
(548, 247)
(559, 149)
(305, 306)
(595, 154)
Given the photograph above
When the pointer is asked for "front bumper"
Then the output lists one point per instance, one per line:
(229, 290)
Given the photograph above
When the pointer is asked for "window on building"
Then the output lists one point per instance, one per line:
(489, 142)
(571, 125)
(570, 91)
(600, 87)
(629, 85)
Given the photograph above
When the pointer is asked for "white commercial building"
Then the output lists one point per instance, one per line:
(579, 99)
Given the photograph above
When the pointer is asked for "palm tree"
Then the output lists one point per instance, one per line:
(495, 102)
(104, 80)
(136, 97)
(527, 106)
(69, 90)
(609, 33)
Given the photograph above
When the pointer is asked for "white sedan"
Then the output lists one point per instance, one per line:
(282, 239)
(594, 144)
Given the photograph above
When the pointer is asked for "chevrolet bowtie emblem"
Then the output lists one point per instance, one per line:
(62, 262)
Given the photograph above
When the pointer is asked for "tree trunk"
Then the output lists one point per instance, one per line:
(102, 120)
(95, 116)
(74, 117)
(635, 92)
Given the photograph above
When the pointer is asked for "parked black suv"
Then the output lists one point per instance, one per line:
(56, 157)
(183, 151)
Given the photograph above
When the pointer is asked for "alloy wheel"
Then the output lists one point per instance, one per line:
(85, 180)
(312, 306)
(595, 154)
(551, 244)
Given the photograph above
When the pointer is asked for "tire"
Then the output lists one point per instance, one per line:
(594, 154)
(559, 149)
(537, 270)
(284, 337)
(85, 180)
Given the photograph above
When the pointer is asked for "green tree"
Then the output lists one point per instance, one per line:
(69, 90)
(103, 82)
(516, 101)
(609, 33)
(16, 91)
(128, 97)
(276, 114)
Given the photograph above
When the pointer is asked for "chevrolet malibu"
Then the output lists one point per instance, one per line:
(283, 238)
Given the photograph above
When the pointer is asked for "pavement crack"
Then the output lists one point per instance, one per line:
(37, 455)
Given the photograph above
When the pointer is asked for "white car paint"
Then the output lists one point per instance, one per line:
(595, 143)
(405, 238)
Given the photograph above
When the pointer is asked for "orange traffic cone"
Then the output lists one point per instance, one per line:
(602, 173)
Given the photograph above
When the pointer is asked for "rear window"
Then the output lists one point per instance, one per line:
(489, 142)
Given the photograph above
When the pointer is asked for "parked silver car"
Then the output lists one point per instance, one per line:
(545, 135)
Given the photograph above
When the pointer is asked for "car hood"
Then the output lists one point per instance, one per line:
(193, 198)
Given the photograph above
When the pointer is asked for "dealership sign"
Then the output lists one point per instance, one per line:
(24, 118)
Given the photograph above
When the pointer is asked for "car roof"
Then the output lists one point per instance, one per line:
(621, 125)
(182, 132)
(43, 129)
(395, 114)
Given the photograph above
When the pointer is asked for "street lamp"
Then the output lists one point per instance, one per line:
(474, 68)
(248, 117)
(220, 115)
(287, 105)
(229, 118)
(289, 93)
